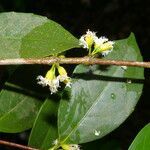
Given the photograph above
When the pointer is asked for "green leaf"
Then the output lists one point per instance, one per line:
(44, 130)
(19, 100)
(25, 35)
(142, 140)
(101, 97)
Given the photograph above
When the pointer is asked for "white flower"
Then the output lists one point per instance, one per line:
(96, 45)
(105, 53)
(42, 81)
(103, 46)
(64, 78)
(100, 41)
(70, 147)
(52, 81)
(68, 84)
(90, 33)
(53, 84)
(82, 42)
(74, 147)
(87, 39)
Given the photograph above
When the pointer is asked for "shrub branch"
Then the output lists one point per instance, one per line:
(75, 60)
(11, 144)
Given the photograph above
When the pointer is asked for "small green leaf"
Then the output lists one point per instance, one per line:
(44, 130)
(25, 35)
(19, 100)
(101, 97)
(142, 140)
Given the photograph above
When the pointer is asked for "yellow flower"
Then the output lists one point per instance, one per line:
(103, 46)
(70, 147)
(96, 45)
(63, 77)
(87, 39)
(52, 81)
(49, 80)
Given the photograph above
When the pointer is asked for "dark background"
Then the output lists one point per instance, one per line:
(114, 19)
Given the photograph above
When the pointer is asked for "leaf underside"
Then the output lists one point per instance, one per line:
(25, 35)
(44, 130)
(101, 97)
(20, 100)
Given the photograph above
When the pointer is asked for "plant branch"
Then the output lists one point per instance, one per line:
(10, 144)
(76, 60)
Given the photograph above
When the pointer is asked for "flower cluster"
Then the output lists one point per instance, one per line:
(62, 146)
(96, 45)
(70, 147)
(52, 80)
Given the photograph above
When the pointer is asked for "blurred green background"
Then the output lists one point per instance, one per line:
(112, 18)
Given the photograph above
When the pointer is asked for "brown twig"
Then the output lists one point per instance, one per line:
(19, 146)
(76, 60)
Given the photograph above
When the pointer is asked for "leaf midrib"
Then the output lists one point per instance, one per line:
(95, 102)
(91, 106)
(7, 113)
(11, 37)
(49, 130)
